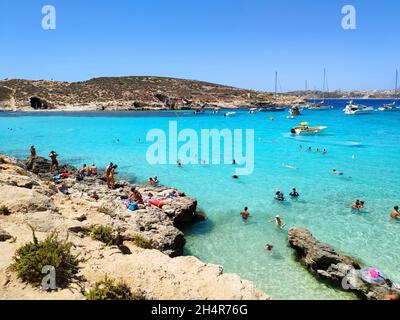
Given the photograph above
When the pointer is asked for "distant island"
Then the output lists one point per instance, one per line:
(339, 94)
(129, 93)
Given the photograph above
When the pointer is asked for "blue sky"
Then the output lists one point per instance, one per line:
(234, 42)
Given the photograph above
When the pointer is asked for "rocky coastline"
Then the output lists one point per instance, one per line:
(129, 94)
(339, 270)
(33, 200)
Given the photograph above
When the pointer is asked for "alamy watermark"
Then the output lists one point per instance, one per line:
(49, 21)
(186, 146)
(49, 280)
(349, 20)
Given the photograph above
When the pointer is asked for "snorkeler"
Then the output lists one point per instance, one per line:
(245, 214)
(337, 172)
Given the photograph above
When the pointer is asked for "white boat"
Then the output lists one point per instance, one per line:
(354, 109)
(294, 111)
(229, 114)
(304, 129)
(320, 106)
(216, 110)
(253, 110)
(392, 106)
(389, 107)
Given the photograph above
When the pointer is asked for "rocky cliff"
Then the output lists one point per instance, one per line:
(158, 272)
(127, 93)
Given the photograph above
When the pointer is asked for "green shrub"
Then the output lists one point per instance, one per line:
(141, 242)
(4, 210)
(109, 290)
(2, 160)
(106, 235)
(21, 172)
(30, 259)
(104, 209)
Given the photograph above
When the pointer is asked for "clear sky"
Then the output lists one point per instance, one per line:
(234, 42)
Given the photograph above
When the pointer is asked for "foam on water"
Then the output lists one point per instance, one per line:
(365, 148)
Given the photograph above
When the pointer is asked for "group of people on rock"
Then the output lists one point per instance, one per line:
(88, 171)
(109, 174)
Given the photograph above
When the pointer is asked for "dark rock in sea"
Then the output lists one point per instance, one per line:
(340, 270)
(42, 167)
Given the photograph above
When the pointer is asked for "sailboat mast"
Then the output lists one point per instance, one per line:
(276, 83)
(323, 90)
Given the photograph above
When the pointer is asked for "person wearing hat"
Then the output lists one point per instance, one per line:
(279, 222)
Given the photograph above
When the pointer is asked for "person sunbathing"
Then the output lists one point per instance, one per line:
(135, 196)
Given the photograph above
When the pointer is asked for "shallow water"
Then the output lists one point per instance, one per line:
(366, 148)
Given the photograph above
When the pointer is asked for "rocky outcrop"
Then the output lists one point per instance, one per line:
(156, 272)
(125, 94)
(41, 167)
(337, 268)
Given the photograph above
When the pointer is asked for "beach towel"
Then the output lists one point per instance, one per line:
(156, 203)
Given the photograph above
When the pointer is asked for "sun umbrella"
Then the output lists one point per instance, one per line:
(372, 276)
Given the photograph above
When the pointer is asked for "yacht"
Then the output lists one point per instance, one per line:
(229, 114)
(355, 108)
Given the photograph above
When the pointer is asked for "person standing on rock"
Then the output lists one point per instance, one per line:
(54, 162)
(32, 151)
(111, 177)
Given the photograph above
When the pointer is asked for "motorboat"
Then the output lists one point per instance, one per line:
(295, 111)
(355, 108)
(216, 110)
(253, 110)
(304, 129)
(229, 114)
(390, 107)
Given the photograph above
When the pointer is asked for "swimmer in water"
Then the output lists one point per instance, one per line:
(309, 148)
(233, 161)
(324, 151)
(179, 163)
(269, 247)
(245, 214)
(235, 176)
(337, 172)
(279, 222)
(279, 196)
(358, 204)
(294, 193)
(395, 214)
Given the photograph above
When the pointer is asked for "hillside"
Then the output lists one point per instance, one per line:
(125, 93)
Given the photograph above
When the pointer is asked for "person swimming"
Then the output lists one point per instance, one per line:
(358, 204)
(324, 151)
(294, 193)
(245, 214)
(337, 172)
(269, 247)
(179, 163)
(235, 176)
(279, 222)
(234, 162)
(279, 196)
(395, 214)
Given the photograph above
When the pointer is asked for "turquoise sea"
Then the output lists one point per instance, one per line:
(365, 147)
